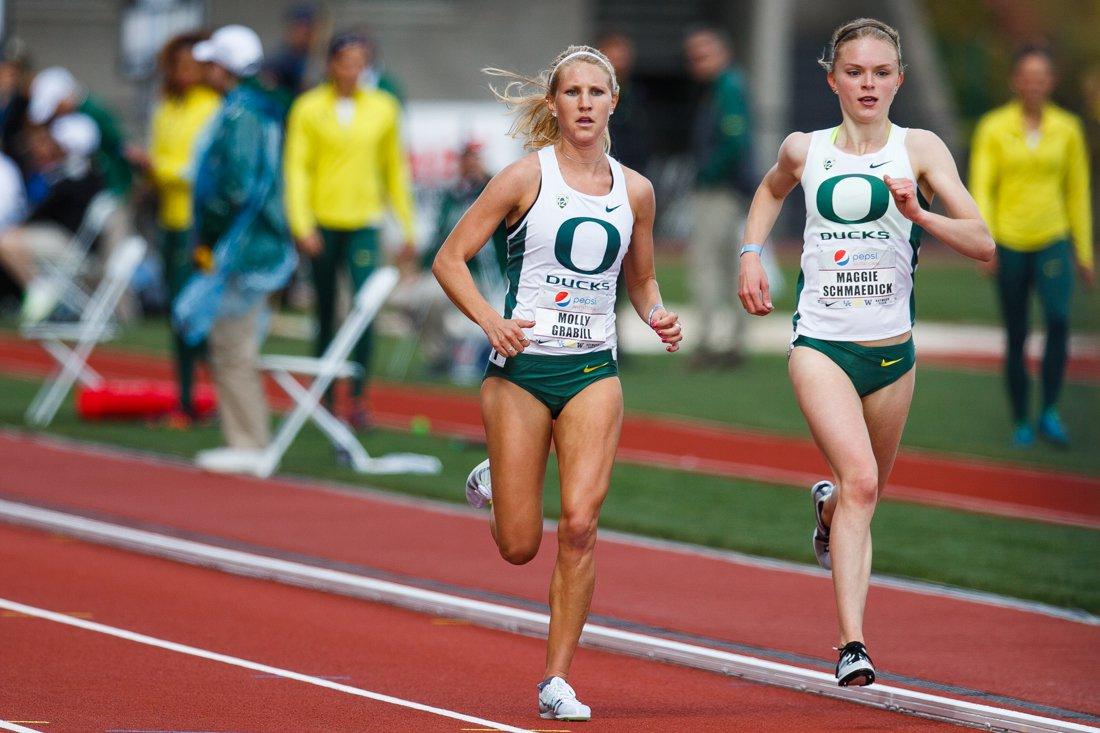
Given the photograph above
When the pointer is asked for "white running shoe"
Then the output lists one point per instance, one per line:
(479, 489)
(558, 701)
(854, 667)
(820, 493)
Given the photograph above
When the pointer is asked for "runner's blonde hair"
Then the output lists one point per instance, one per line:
(526, 96)
(856, 29)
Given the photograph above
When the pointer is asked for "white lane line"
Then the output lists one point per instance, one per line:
(498, 616)
(5, 725)
(366, 493)
(244, 663)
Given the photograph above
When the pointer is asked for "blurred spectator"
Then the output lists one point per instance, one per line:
(240, 225)
(56, 92)
(449, 342)
(13, 202)
(47, 234)
(375, 75)
(1029, 173)
(1090, 92)
(344, 167)
(183, 112)
(13, 97)
(629, 125)
(42, 156)
(724, 184)
(285, 72)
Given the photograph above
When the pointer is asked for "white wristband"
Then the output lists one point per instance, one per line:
(649, 318)
(754, 248)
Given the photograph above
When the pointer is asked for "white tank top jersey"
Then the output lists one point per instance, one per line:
(564, 258)
(859, 253)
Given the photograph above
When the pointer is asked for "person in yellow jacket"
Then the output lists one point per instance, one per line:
(178, 120)
(1029, 173)
(345, 166)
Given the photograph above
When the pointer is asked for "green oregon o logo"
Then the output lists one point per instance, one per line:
(563, 244)
(880, 198)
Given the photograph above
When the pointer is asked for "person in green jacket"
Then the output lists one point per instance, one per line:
(55, 92)
(724, 184)
(240, 228)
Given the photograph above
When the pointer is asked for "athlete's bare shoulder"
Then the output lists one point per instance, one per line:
(515, 188)
(926, 150)
(520, 174)
(639, 190)
(793, 153)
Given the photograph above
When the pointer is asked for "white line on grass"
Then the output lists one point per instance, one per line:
(244, 663)
(498, 616)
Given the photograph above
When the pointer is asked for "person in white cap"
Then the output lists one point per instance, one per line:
(46, 235)
(54, 93)
(241, 232)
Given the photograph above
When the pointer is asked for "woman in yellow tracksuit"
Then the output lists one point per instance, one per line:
(344, 165)
(178, 120)
(1029, 173)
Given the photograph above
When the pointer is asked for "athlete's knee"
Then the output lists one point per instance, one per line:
(577, 531)
(859, 488)
(518, 551)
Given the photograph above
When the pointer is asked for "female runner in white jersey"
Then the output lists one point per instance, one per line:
(575, 216)
(852, 357)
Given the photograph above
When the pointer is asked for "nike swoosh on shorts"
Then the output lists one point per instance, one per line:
(588, 369)
(890, 363)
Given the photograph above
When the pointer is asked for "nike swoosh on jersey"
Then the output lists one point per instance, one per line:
(588, 369)
(879, 165)
(890, 363)
(609, 209)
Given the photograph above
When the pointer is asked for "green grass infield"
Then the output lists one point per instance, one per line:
(1024, 559)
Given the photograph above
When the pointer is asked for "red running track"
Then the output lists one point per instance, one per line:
(78, 680)
(919, 476)
(919, 640)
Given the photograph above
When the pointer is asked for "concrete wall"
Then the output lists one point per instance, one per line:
(435, 47)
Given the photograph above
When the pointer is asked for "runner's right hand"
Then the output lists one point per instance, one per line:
(506, 336)
(753, 286)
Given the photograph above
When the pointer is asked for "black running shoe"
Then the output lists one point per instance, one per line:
(854, 668)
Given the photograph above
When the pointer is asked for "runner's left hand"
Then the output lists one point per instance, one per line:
(667, 325)
(905, 196)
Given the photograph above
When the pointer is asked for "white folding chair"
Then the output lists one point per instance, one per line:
(65, 274)
(328, 367)
(95, 325)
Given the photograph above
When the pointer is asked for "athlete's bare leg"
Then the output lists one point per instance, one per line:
(860, 440)
(517, 427)
(586, 436)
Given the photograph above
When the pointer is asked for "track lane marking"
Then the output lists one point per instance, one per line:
(8, 725)
(516, 620)
(192, 651)
(435, 506)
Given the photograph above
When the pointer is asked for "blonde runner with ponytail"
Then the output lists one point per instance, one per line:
(575, 218)
(528, 96)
